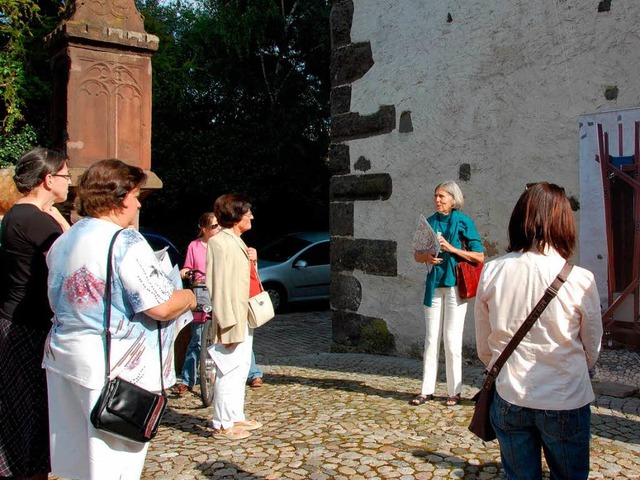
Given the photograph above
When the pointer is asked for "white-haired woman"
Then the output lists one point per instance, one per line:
(444, 310)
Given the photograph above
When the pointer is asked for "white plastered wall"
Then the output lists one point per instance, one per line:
(501, 88)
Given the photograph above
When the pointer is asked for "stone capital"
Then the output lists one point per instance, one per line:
(112, 23)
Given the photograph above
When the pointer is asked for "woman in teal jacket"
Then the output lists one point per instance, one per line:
(444, 310)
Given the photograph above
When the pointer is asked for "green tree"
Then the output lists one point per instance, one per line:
(240, 103)
(25, 81)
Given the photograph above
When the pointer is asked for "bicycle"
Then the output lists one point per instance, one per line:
(206, 367)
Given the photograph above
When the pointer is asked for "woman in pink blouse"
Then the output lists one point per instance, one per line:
(195, 264)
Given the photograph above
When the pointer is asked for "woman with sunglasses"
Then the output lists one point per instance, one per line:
(195, 264)
(543, 391)
(29, 229)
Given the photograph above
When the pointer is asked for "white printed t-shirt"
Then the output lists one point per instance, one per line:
(75, 348)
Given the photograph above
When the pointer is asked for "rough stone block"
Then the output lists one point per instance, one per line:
(339, 161)
(341, 18)
(405, 125)
(613, 389)
(346, 292)
(349, 126)
(351, 62)
(340, 99)
(359, 333)
(373, 186)
(341, 218)
(464, 173)
(362, 164)
(375, 257)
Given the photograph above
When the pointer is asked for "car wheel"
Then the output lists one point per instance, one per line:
(278, 296)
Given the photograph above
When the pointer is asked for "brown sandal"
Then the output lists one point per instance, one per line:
(453, 401)
(420, 399)
(180, 389)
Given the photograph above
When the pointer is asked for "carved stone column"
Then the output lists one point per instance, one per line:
(101, 58)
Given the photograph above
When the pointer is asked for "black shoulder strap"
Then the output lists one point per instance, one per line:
(107, 317)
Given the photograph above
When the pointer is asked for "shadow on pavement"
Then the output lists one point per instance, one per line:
(224, 470)
(615, 428)
(346, 385)
(482, 470)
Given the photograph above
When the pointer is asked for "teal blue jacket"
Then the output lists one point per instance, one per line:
(455, 228)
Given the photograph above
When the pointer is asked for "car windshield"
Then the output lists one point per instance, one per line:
(283, 249)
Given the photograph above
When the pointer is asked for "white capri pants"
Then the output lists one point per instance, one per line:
(444, 321)
(78, 450)
(229, 388)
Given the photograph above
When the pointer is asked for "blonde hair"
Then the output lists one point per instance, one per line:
(9, 194)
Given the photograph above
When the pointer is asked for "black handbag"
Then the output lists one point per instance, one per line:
(480, 423)
(123, 408)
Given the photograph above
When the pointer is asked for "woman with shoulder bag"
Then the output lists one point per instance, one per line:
(444, 310)
(232, 279)
(543, 391)
(142, 296)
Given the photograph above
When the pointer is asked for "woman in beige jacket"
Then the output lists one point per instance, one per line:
(232, 279)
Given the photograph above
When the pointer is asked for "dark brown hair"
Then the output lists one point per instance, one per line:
(35, 165)
(230, 208)
(205, 219)
(542, 218)
(104, 185)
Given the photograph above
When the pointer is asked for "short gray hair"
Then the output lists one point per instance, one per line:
(452, 189)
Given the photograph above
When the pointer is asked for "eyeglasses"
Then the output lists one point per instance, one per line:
(67, 176)
(213, 227)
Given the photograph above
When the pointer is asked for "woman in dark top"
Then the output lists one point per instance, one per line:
(28, 230)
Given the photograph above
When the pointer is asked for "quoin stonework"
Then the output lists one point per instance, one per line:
(493, 95)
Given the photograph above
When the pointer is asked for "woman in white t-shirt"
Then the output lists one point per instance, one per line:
(74, 357)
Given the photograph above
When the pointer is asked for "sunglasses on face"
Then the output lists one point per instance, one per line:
(212, 227)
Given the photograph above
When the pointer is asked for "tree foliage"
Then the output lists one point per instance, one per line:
(25, 80)
(241, 103)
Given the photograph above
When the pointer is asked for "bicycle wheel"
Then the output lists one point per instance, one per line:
(206, 364)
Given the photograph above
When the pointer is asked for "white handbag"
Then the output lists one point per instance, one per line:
(260, 309)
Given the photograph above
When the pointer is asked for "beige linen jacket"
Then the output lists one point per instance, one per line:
(227, 279)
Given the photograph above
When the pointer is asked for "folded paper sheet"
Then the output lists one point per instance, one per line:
(425, 239)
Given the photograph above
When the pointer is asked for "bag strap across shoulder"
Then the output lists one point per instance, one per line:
(549, 294)
(107, 316)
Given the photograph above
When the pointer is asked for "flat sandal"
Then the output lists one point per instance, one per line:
(420, 399)
(453, 401)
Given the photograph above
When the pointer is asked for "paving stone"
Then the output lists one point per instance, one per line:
(346, 416)
(614, 389)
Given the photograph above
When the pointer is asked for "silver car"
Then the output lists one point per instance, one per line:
(296, 268)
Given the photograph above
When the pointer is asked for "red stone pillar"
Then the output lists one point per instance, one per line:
(101, 58)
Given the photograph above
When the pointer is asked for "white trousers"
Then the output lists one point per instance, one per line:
(444, 321)
(229, 388)
(80, 451)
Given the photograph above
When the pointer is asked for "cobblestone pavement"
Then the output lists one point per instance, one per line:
(346, 416)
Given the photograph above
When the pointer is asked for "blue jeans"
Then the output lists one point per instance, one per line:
(254, 370)
(192, 358)
(522, 433)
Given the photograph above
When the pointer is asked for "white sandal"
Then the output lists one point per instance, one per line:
(248, 425)
(232, 433)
